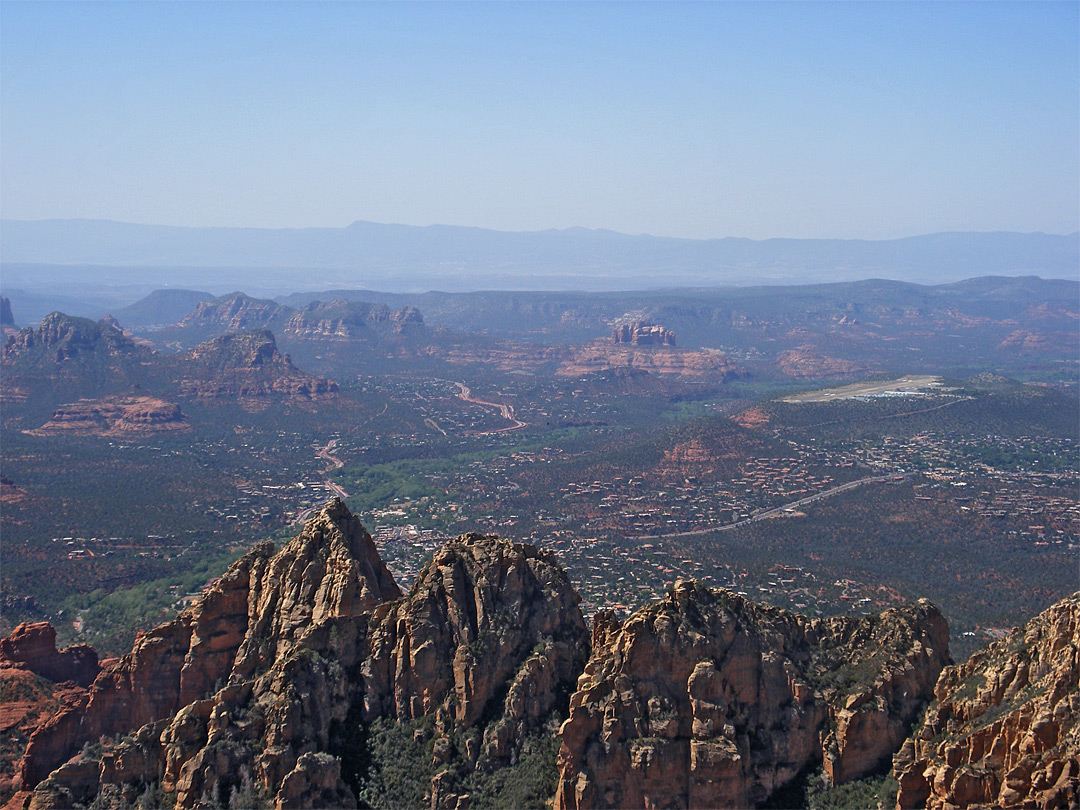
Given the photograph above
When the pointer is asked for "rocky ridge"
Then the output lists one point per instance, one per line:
(245, 687)
(235, 312)
(705, 698)
(301, 673)
(122, 385)
(1004, 730)
(348, 320)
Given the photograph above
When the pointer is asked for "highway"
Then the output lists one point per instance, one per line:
(326, 454)
(768, 513)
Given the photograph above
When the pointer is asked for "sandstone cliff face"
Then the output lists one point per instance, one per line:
(1005, 728)
(27, 701)
(705, 699)
(154, 679)
(32, 646)
(640, 333)
(243, 691)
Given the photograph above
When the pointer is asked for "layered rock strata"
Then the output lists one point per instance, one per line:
(114, 416)
(705, 699)
(32, 646)
(667, 361)
(640, 333)
(1004, 730)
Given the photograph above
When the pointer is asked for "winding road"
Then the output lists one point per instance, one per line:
(335, 464)
(506, 411)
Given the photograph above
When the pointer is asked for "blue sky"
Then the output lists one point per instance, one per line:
(848, 120)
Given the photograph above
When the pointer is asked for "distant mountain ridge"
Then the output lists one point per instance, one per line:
(412, 254)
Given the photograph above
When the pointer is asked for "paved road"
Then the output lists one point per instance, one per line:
(507, 411)
(768, 513)
(335, 464)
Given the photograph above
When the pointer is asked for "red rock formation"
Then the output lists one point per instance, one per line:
(27, 701)
(114, 416)
(60, 338)
(804, 362)
(1004, 730)
(248, 367)
(752, 418)
(32, 646)
(688, 458)
(166, 668)
(10, 492)
(241, 691)
(640, 333)
(709, 364)
(707, 700)
(483, 614)
(235, 312)
(1024, 341)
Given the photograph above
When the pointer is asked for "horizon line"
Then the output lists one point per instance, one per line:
(568, 229)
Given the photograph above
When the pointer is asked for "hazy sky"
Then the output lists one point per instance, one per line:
(855, 120)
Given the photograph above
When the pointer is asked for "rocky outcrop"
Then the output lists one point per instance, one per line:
(27, 701)
(705, 700)
(248, 367)
(1004, 730)
(1024, 341)
(168, 666)
(235, 312)
(32, 646)
(253, 690)
(336, 320)
(10, 492)
(708, 364)
(640, 333)
(114, 416)
(62, 338)
(689, 458)
(806, 363)
(488, 620)
(255, 631)
(349, 320)
(6, 317)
